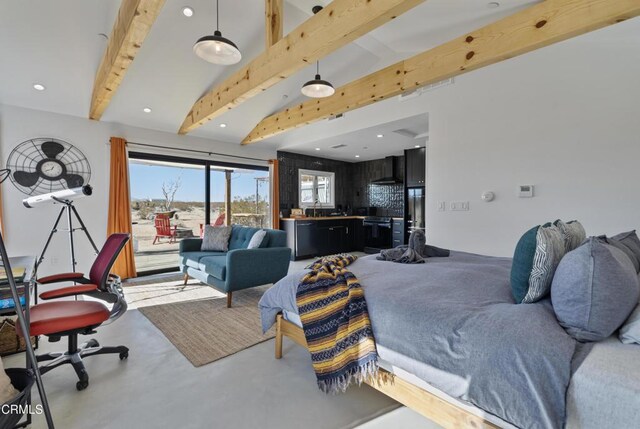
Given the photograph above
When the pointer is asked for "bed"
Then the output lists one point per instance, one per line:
(463, 354)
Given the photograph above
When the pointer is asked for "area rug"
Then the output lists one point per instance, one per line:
(165, 289)
(205, 331)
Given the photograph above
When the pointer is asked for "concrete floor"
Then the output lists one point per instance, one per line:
(158, 388)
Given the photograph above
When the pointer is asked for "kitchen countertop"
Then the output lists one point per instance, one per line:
(322, 218)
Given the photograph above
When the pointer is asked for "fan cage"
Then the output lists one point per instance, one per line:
(26, 156)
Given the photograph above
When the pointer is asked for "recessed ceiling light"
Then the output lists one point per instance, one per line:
(187, 11)
(416, 146)
(357, 156)
(38, 87)
(317, 148)
(147, 110)
(223, 125)
(493, 5)
(380, 136)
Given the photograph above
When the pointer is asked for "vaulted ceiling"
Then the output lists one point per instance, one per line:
(59, 44)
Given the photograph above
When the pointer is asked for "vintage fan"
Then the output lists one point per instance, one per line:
(43, 165)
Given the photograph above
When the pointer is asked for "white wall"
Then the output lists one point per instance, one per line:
(27, 229)
(565, 119)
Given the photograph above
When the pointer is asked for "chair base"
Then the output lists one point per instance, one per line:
(74, 355)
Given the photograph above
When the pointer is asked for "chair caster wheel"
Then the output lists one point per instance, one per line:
(93, 343)
(124, 355)
(81, 385)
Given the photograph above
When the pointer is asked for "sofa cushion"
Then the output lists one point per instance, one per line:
(192, 259)
(594, 289)
(215, 266)
(241, 236)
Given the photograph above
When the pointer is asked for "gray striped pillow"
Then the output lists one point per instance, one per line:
(573, 234)
(550, 248)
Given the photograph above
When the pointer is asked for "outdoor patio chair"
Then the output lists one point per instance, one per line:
(164, 229)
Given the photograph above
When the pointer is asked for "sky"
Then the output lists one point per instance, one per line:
(146, 182)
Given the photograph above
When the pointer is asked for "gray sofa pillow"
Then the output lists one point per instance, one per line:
(216, 238)
(594, 290)
(630, 331)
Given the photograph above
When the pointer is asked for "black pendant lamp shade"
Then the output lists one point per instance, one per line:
(217, 49)
(318, 88)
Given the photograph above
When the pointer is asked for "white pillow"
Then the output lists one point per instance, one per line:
(630, 331)
(257, 239)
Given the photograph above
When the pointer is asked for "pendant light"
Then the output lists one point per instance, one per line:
(318, 88)
(217, 49)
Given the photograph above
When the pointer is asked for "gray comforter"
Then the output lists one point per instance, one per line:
(457, 314)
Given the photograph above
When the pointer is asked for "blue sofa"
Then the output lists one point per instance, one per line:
(239, 268)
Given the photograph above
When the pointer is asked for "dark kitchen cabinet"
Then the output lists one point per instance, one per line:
(333, 238)
(307, 243)
(310, 238)
(415, 168)
(358, 236)
(397, 232)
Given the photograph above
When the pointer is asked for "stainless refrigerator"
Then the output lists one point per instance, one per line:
(415, 210)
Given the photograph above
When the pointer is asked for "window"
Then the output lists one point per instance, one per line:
(316, 187)
(170, 196)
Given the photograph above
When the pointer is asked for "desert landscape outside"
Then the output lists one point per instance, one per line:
(168, 205)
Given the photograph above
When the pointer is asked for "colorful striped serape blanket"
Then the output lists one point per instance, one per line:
(336, 324)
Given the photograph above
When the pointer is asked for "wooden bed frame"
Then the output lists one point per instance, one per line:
(426, 403)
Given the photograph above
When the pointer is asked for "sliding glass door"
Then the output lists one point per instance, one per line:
(167, 205)
(248, 201)
(172, 198)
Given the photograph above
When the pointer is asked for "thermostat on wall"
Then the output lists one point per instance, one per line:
(525, 191)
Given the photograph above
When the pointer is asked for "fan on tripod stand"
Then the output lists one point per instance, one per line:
(44, 165)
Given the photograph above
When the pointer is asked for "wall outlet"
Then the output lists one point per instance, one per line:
(442, 206)
(459, 206)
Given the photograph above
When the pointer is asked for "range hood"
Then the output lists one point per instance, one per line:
(389, 176)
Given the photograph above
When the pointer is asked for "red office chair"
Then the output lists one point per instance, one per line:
(70, 318)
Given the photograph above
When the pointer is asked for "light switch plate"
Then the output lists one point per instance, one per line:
(459, 206)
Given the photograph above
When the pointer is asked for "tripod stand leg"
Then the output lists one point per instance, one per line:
(53, 231)
(84, 228)
(71, 247)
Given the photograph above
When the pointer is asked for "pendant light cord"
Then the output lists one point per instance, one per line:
(318, 67)
(218, 15)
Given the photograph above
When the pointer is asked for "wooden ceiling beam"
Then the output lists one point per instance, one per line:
(540, 25)
(133, 23)
(339, 23)
(273, 21)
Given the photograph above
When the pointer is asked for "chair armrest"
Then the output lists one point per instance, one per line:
(255, 267)
(69, 291)
(190, 245)
(64, 277)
